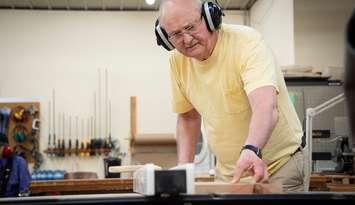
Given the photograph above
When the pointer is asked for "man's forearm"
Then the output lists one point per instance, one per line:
(263, 102)
(261, 126)
(187, 132)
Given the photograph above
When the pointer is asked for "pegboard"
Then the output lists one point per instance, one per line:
(22, 132)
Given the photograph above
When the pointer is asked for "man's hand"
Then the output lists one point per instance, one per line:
(250, 164)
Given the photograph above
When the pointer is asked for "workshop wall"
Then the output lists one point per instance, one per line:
(319, 31)
(275, 20)
(63, 50)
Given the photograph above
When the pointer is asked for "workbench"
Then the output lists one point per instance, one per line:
(87, 186)
(119, 191)
(318, 182)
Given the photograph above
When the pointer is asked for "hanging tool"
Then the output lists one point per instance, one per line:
(106, 107)
(100, 131)
(4, 123)
(54, 124)
(82, 144)
(63, 139)
(35, 124)
(105, 138)
(32, 110)
(99, 105)
(87, 140)
(110, 142)
(69, 141)
(20, 133)
(96, 140)
(77, 136)
(49, 148)
(19, 114)
(92, 140)
(59, 146)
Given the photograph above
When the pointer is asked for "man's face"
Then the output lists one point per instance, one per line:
(187, 31)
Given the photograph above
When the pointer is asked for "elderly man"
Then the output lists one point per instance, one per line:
(226, 76)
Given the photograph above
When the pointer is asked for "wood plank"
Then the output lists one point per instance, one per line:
(82, 186)
(112, 185)
(239, 188)
(125, 168)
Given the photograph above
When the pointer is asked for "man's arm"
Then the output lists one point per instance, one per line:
(263, 102)
(187, 132)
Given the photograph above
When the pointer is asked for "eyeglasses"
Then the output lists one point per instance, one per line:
(191, 29)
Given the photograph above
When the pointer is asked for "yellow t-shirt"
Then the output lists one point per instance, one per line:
(218, 87)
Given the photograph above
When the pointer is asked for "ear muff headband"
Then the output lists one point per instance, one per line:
(163, 38)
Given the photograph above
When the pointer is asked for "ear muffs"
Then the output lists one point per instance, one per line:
(20, 133)
(212, 14)
(162, 37)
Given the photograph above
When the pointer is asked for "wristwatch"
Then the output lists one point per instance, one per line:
(253, 148)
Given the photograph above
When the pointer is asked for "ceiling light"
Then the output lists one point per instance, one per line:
(150, 2)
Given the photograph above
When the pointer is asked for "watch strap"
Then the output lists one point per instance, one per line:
(253, 148)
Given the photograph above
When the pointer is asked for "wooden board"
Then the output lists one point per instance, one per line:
(239, 188)
(31, 140)
(86, 186)
(81, 186)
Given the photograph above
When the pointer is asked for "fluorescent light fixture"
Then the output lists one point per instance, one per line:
(150, 2)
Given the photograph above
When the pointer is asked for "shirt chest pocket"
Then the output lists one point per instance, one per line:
(235, 100)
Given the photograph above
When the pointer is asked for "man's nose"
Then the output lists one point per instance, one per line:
(187, 38)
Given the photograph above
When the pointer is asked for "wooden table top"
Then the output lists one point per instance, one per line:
(318, 182)
(88, 186)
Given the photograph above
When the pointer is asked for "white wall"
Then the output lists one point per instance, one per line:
(319, 31)
(63, 50)
(274, 19)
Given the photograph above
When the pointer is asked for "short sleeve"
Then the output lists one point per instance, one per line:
(180, 104)
(259, 67)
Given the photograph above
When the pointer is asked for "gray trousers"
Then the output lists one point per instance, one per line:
(292, 175)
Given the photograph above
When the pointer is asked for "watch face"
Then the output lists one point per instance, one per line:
(253, 148)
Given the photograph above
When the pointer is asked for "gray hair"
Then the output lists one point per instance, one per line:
(198, 4)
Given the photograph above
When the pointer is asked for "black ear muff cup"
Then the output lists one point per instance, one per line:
(162, 37)
(212, 14)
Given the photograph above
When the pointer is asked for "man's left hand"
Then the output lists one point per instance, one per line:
(250, 164)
